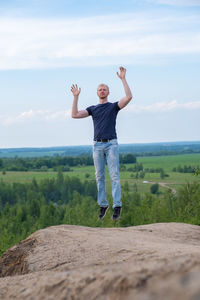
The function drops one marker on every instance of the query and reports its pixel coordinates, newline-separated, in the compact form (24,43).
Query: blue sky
(46,45)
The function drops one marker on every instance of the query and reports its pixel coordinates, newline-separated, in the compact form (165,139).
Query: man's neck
(103,101)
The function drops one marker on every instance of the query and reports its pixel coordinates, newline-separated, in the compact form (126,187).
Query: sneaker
(117,212)
(103,211)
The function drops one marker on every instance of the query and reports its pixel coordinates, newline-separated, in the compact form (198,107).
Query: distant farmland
(143,149)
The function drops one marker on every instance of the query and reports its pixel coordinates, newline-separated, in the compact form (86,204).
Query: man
(105,147)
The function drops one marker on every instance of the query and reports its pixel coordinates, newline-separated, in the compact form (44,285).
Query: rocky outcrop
(156,261)
(14,262)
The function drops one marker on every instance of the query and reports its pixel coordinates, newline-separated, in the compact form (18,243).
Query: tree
(34,208)
(122,168)
(60,178)
(1,163)
(135,188)
(141,174)
(154,188)
(128,158)
(162,174)
(126,186)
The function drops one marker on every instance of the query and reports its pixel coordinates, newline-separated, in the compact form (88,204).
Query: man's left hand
(122,73)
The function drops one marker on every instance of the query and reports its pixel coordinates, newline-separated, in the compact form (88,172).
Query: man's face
(102,91)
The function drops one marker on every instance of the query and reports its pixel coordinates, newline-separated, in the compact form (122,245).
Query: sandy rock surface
(149,262)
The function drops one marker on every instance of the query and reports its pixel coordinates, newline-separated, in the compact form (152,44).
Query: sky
(47,45)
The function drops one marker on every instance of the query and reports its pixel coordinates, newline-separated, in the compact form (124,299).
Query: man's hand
(75,90)
(122,73)
(125,100)
(77,114)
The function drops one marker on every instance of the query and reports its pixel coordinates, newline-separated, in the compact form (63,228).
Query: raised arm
(77,114)
(125,100)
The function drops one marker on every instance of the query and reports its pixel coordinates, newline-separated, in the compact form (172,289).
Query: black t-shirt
(104,119)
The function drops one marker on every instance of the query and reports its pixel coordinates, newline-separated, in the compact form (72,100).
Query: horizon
(85,145)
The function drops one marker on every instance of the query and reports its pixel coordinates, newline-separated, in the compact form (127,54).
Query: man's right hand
(77,114)
(75,90)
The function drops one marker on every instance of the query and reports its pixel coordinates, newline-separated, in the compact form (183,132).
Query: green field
(168,162)
(175,179)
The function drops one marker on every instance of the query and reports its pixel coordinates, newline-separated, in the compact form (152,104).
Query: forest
(55,163)
(29,206)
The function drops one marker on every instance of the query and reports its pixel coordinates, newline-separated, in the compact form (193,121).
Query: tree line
(140,171)
(55,162)
(185,169)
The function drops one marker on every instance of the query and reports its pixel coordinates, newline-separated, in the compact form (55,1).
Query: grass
(174,180)
(23,177)
(168,162)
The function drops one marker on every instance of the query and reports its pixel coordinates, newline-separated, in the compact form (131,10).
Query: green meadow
(174,179)
(168,162)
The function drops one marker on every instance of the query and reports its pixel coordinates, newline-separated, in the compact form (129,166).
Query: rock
(149,262)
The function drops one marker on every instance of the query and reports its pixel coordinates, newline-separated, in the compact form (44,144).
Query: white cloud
(62,115)
(58,115)
(38,43)
(164,107)
(35,115)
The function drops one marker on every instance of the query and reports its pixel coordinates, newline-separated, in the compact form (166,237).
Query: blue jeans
(109,152)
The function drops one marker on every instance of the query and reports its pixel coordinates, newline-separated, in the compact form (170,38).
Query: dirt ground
(149,262)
